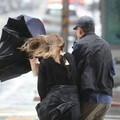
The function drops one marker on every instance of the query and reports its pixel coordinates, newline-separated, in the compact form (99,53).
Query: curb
(115,104)
(36,98)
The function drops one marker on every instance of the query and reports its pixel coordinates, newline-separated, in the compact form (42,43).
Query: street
(17,98)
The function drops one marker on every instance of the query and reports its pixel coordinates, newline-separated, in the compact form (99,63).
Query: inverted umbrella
(13,62)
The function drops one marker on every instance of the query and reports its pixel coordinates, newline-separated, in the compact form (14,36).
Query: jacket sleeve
(41,86)
(80,54)
(113,67)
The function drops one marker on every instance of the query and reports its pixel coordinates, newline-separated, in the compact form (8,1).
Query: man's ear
(81,31)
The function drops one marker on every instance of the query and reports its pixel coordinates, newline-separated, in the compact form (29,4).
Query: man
(95,70)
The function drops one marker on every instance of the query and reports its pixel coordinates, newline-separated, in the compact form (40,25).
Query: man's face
(79,32)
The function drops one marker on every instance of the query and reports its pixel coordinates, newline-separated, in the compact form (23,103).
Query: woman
(57,78)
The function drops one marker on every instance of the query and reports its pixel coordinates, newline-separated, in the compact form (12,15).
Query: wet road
(17,98)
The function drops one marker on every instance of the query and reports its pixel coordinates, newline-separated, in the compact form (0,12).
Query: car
(52,19)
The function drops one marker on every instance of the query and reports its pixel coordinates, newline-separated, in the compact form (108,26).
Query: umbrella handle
(34,66)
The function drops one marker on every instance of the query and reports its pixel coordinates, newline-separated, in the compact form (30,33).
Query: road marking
(21,113)
(19,118)
(112,117)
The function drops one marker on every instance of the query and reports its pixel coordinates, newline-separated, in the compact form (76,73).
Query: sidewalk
(17,98)
(116,90)
(116,99)
(7,114)
(115,52)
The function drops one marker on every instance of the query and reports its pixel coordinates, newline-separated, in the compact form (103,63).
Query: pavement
(8,114)
(116,90)
(17,98)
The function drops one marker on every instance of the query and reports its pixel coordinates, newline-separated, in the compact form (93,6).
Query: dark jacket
(57,87)
(61,103)
(94,63)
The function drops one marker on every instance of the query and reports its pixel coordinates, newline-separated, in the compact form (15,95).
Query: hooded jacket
(94,63)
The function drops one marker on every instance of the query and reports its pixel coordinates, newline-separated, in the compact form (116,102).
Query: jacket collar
(90,33)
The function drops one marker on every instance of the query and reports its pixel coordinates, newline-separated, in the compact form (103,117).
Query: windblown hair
(44,46)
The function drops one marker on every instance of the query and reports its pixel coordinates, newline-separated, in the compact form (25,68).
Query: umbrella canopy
(13,62)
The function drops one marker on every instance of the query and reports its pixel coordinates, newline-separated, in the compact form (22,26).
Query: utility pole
(65,21)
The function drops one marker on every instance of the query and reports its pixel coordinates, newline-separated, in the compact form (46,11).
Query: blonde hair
(44,46)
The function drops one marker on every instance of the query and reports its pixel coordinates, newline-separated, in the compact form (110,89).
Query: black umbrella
(13,62)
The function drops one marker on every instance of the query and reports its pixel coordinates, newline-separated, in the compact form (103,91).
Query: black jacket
(61,103)
(57,87)
(52,73)
(94,63)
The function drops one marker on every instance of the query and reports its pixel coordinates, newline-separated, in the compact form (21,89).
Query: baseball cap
(86,21)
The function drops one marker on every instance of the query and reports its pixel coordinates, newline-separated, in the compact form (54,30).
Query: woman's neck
(62,53)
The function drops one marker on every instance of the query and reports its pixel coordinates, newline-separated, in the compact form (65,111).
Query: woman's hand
(34,66)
